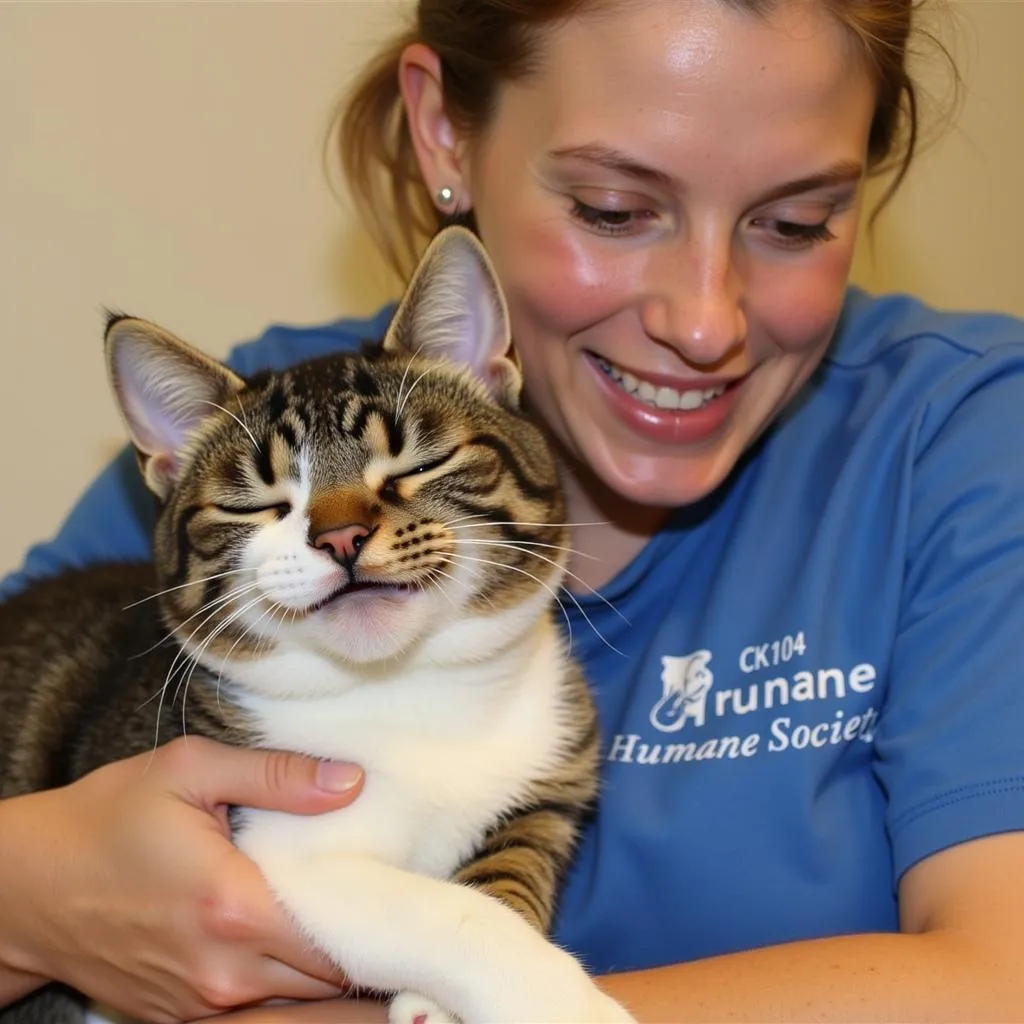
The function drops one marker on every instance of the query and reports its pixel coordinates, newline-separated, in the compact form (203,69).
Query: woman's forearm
(16,827)
(936,976)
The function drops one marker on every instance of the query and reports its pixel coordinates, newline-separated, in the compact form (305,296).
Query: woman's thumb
(214,774)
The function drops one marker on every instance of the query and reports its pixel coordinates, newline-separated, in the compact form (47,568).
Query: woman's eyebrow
(615,160)
(842,172)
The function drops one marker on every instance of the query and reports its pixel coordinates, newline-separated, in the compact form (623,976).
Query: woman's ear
(438,149)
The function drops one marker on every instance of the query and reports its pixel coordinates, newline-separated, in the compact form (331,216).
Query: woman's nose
(692,303)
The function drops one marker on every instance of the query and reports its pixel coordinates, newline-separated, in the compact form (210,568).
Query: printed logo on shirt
(685,684)
(689,703)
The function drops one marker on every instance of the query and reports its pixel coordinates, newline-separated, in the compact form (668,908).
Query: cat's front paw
(412,1008)
(571,998)
(607,1011)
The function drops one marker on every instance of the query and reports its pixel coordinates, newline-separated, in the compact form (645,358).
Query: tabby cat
(356,559)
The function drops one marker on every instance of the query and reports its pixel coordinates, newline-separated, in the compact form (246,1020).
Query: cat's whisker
(476,573)
(231,650)
(213,607)
(408,394)
(505,565)
(245,422)
(436,585)
(568,622)
(182,652)
(280,622)
(182,658)
(182,586)
(197,655)
(204,401)
(401,383)
(519,522)
(536,554)
(570,594)
(213,603)
(461,519)
(527,543)
(192,661)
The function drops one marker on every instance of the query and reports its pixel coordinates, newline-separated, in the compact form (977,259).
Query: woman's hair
(483,44)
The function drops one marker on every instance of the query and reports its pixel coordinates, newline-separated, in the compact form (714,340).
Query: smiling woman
(754,452)
(734,269)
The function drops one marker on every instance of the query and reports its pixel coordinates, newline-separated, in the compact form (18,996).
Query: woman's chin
(655,481)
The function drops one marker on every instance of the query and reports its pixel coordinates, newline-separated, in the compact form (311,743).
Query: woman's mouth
(661,412)
(659,396)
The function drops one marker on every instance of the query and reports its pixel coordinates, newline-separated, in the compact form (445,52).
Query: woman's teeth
(659,397)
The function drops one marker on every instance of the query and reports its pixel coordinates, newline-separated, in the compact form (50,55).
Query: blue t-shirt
(810,680)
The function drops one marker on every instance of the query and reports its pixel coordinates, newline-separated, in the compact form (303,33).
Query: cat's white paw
(570,998)
(412,1008)
(607,1011)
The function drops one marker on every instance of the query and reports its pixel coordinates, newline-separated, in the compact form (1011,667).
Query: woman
(814,788)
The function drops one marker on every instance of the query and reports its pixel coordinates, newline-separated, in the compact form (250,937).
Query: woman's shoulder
(875,328)
(284,345)
(898,359)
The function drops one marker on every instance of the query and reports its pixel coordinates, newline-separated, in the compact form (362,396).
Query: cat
(358,559)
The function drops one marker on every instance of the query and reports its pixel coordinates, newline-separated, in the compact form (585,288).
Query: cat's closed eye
(426,467)
(280,509)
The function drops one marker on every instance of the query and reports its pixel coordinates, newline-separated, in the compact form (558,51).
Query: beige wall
(165,159)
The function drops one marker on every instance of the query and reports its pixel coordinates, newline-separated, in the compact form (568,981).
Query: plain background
(166,159)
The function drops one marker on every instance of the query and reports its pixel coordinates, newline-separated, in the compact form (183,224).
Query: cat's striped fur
(356,558)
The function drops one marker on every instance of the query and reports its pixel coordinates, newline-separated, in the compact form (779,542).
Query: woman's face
(671,204)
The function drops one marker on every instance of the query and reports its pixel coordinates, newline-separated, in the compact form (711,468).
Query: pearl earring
(445,196)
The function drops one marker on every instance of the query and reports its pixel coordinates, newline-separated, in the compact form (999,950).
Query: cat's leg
(395,931)
(521,863)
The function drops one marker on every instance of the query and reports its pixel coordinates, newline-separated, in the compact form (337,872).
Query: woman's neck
(611,530)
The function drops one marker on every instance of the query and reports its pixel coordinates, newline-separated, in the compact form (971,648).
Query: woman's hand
(125,884)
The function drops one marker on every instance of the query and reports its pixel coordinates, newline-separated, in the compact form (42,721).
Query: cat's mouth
(361,587)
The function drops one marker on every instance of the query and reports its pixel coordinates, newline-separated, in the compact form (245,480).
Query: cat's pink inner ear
(454,309)
(503,380)
(165,389)
(160,472)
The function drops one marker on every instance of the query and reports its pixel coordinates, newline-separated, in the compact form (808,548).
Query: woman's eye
(795,235)
(280,509)
(608,222)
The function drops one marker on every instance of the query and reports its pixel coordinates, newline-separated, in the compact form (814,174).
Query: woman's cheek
(558,283)
(798,307)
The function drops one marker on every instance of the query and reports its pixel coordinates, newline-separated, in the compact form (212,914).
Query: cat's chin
(371,623)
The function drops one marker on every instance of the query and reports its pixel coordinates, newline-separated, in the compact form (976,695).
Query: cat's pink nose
(343,544)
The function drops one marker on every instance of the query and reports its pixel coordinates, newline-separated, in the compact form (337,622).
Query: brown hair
(485,43)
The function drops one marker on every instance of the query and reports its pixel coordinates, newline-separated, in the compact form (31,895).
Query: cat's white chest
(444,754)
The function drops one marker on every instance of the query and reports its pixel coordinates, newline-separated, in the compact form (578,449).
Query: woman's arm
(957,958)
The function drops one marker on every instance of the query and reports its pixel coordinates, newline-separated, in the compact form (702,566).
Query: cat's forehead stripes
(274,455)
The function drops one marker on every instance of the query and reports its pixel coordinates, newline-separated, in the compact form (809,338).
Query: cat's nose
(344,543)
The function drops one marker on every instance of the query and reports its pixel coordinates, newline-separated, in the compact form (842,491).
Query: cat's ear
(454,308)
(165,389)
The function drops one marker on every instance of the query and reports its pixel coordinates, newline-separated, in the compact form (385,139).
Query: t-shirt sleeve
(114,518)
(950,743)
